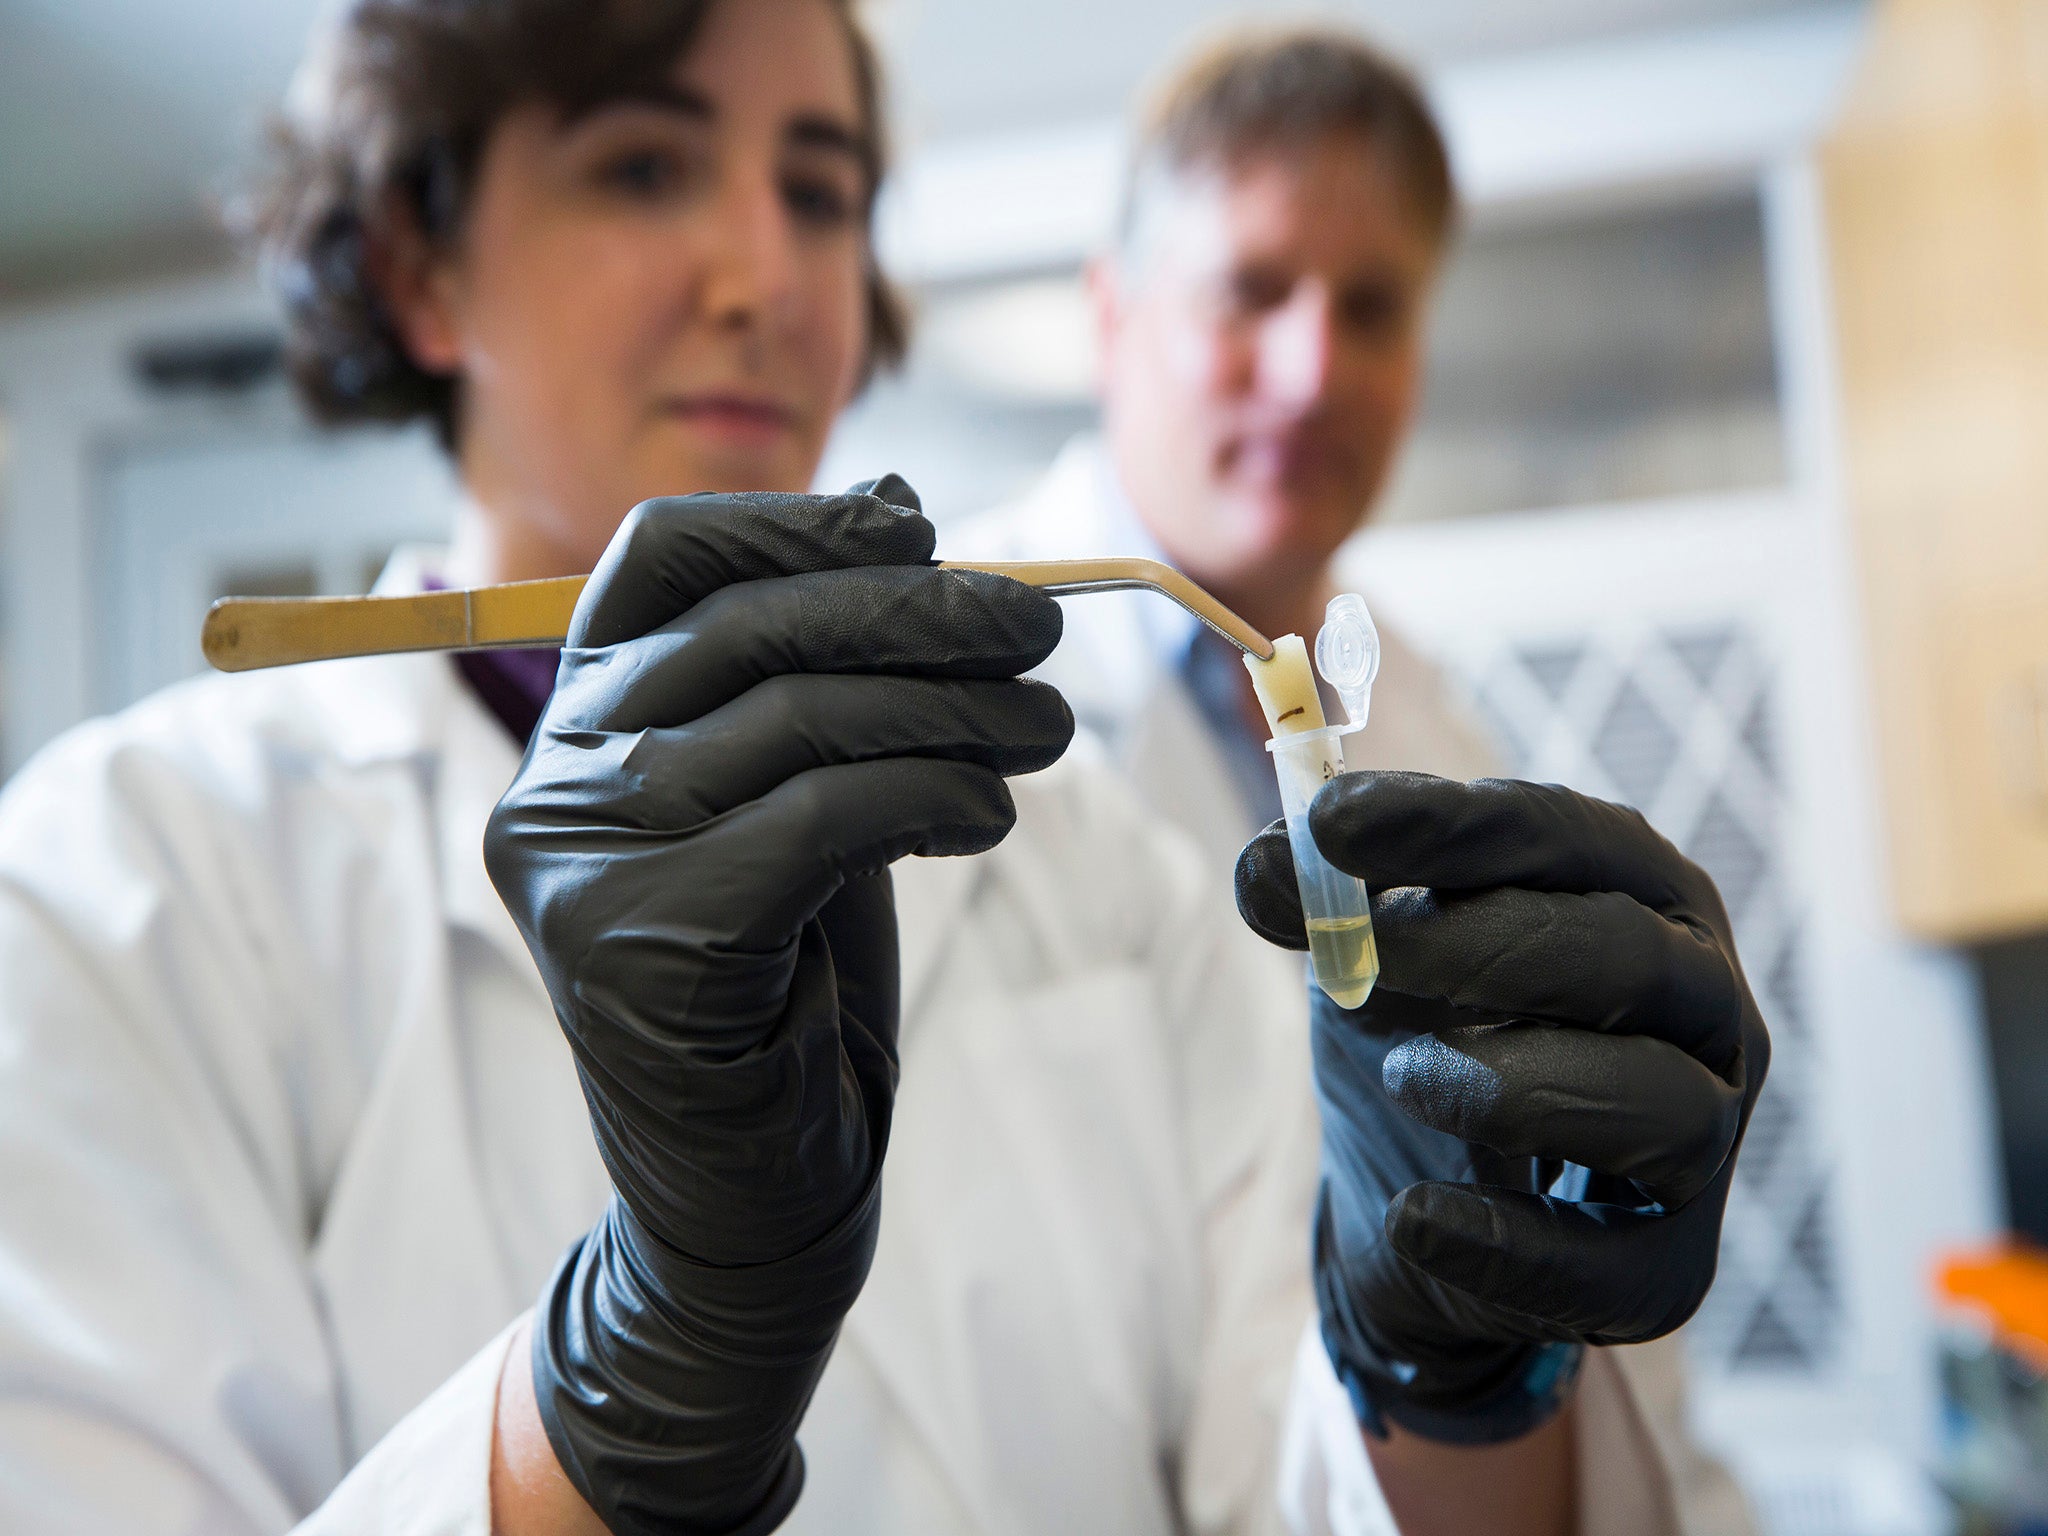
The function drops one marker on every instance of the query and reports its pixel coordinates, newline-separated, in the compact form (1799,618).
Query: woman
(291,1129)
(302,1135)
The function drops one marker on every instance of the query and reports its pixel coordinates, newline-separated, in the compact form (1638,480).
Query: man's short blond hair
(1253,91)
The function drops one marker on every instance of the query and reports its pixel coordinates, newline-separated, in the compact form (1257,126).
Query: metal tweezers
(245,633)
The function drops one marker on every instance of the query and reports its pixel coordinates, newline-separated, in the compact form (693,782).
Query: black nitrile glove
(1530,1127)
(764,701)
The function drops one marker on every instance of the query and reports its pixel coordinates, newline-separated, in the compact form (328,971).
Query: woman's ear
(417,283)
(1103,278)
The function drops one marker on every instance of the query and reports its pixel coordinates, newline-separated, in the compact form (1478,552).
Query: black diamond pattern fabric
(1702,652)
(1554,667)
(1634,745)
(1680,725)
(1725,846)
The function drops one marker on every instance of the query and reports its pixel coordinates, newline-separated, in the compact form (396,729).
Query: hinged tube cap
(1348,654)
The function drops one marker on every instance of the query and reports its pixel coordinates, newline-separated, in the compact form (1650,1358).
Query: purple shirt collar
(513,685)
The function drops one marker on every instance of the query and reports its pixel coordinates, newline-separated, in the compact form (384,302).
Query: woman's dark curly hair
(396,103)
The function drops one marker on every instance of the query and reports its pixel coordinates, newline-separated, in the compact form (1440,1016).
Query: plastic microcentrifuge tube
(1307,753)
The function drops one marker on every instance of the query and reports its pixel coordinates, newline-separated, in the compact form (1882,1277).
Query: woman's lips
(737,418)
(1284,458)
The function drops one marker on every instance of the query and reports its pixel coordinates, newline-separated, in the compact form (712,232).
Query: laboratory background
(1727,501)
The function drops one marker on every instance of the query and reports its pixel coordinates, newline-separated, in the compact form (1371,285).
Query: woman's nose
(753,268)
(1295,346)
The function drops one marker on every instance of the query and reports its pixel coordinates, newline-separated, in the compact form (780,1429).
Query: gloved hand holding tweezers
(764,701)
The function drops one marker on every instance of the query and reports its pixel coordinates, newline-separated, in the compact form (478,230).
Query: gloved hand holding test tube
(1308,752)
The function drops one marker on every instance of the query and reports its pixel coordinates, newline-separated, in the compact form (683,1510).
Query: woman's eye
(819,202)
(1253,292)
(646,173)
(1376,311)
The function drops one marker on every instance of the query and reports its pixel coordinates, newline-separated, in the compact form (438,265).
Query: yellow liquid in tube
(1306,755)
(1346,958)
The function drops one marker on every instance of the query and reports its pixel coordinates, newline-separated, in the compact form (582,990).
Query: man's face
(1262,347)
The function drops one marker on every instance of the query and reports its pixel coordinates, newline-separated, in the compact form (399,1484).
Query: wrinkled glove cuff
(671,1390)
(1522,1398)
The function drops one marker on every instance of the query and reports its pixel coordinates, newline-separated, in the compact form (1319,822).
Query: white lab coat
(288,1134)
(1111,665)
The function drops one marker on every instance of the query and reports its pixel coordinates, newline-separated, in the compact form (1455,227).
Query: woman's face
(665,295)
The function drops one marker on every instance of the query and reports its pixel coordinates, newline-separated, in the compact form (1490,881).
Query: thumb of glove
(891,488)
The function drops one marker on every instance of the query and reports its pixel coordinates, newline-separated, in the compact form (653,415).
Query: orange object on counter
(2008,1286)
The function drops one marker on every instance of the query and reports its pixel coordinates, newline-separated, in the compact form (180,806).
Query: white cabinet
(181,520)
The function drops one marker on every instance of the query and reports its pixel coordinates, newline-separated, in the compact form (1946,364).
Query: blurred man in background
(1289,206)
